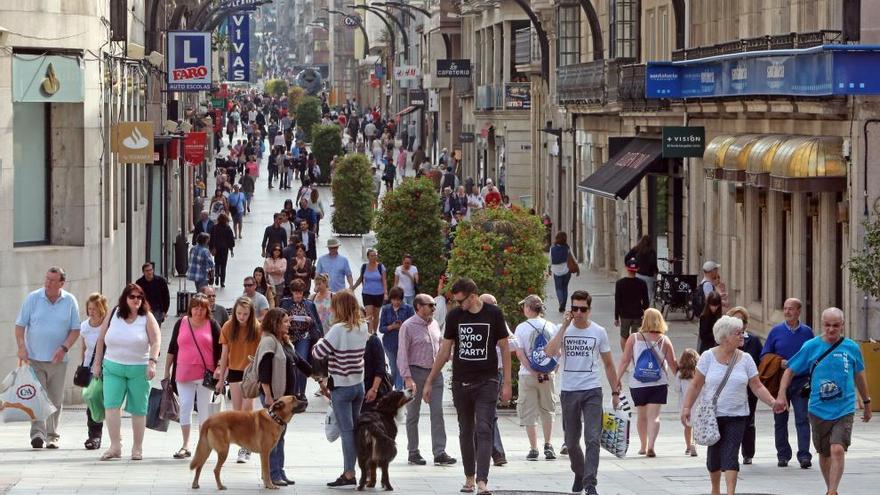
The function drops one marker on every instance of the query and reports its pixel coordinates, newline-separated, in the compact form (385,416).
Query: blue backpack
(538,359)
(647,368)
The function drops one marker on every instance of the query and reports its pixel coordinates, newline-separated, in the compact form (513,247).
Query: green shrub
(308,113)
(276,87)
(326,143)
(409,222)
(501,250)
(294,97)
(352,187)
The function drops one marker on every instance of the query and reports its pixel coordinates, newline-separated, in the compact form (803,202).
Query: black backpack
(699,299)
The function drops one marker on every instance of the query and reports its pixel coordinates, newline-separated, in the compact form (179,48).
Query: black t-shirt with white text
(474,337)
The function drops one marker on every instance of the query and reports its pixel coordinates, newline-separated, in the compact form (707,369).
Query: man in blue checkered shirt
(200,262)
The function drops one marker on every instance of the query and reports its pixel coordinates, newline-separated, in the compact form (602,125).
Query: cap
(533,302)
(632,264)
(332,242)
(710,265)
(236,186)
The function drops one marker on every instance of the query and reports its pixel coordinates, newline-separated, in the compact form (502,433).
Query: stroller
(674,292)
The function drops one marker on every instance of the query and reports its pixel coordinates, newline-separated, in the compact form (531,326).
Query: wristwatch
(153,360)
(866,401)
(66,349)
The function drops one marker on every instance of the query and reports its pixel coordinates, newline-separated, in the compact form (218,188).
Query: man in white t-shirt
(406,276)
(583,343)
(537,388)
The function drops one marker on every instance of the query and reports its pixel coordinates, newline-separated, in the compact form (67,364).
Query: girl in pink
(193,350)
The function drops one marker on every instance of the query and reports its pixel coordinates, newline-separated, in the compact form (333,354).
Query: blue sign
(819,71)
(239,4)
(239,61)
(189,61)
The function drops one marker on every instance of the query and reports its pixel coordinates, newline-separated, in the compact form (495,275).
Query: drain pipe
(865,212)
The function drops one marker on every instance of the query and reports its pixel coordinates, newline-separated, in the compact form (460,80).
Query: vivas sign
(189,61)
(239,60)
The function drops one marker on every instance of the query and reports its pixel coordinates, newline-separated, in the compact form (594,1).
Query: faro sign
(239,61)
(189,61)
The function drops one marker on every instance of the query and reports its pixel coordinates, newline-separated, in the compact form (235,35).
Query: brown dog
(257,431)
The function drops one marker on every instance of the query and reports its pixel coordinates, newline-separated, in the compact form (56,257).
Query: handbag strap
(823,356)
(192,333)
(730,366)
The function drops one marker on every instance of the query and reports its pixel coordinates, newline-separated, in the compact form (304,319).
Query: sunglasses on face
(582,309)
(249,285)
(135,297)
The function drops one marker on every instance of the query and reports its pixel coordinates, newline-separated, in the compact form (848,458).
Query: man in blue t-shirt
(785,340)
(834,373)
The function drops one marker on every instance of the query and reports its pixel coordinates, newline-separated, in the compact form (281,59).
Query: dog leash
(275,417)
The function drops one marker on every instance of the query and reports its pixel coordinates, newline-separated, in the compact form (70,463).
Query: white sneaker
(247,455)
(243,456)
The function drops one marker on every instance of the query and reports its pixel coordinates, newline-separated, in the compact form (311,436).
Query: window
(624,28)
(651,34)
(32,171)
(664,32)
(569,29)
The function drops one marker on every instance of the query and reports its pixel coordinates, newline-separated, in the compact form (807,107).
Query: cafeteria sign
(453,68)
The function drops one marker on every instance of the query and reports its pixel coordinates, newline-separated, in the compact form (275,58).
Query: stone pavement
(312,461)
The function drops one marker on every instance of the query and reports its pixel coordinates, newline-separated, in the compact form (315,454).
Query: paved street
(312,461)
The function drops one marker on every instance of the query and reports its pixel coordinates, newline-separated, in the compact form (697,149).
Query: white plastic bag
(331,427)
(615,428)
(23,398)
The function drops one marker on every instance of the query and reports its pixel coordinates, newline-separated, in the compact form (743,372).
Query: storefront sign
(379,70)
(407,73)
(239,4)
(433,101)
(351,21)
(681,142)
(189,61)
(517,96)
(239,60)
(194,147)
(417,97)
(49,78)
(134,142)
(819,71)
(466,137)
(453,68)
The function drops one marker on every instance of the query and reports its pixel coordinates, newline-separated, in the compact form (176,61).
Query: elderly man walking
(418,344)
(336,266)
(46,328)
(835,368)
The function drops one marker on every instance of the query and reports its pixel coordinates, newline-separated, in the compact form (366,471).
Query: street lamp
(378,13)
(358,23)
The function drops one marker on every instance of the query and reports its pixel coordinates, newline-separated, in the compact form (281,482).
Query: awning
(713,157)
(760,159)
(617,178)
(406,111)
(809,164)
(736,157)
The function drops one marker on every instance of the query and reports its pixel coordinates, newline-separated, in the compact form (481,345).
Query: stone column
(825,269)
(774,281)
(752,271)
(796,246)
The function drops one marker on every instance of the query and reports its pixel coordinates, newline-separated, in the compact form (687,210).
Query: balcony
(527,50)
(490,97)
(774,42)
(631,86)
(589,83)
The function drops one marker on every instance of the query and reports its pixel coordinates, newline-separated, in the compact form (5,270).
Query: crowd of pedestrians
(298,317)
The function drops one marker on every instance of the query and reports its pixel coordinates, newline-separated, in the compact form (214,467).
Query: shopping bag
(169,408)
(331,427)
(93,396)
(23,398)
(154,407)
(615,428)
(216,404)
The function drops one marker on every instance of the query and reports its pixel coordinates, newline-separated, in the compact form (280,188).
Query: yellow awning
(717,148)
(809,157)
(760,156)
(737,154)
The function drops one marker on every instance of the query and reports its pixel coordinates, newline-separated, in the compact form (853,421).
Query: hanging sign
(189,61)
(134,142)
(453,68)
(406,73)
(194,147)
(239,60)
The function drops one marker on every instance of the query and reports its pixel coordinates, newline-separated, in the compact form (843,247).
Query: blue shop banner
(239,60)
(820,71)
(189,61)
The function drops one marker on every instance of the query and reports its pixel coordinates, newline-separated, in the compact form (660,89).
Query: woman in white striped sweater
(343,346)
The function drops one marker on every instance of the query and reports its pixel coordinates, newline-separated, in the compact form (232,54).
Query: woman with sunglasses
(275,266)
(125,356)
(194,350)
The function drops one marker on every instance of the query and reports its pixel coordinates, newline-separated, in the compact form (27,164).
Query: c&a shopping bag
(22,398)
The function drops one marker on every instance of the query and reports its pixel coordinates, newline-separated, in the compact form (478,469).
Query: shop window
(568,20)
(624,28)
(32,171)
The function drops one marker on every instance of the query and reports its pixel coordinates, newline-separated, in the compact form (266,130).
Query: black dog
(375,435)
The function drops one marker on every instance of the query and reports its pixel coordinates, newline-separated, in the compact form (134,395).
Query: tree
(501,250)
(294,96)
(326,143)
(276,87)
(409,222)
(352,186)
(308,113)
(863,267)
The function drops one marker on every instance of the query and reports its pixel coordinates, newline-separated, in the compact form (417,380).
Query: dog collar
(275,417)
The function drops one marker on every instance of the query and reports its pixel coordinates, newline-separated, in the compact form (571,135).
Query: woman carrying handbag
(90,330)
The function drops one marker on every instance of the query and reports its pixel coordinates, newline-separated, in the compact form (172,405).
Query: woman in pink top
(275,266)
(253,169)
(193,350)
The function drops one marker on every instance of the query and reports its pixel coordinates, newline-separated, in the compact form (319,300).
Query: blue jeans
(801,423)
(409,299)
(475,404)
(561,284)
(396,379)
(346,403)
(276,456)
(303,349)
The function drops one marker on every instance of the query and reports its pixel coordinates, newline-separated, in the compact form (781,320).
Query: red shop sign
(194,147)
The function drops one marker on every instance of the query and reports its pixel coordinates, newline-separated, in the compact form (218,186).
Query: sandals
(182,454)
(93,444)
(467,489)
(137,455)
(111,454)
